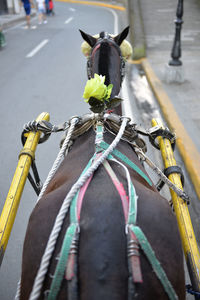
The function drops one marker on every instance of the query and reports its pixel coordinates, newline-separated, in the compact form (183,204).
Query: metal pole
(176,49)
(189,243)
(14,195)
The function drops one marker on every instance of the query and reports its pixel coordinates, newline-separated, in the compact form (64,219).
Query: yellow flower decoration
(96,88)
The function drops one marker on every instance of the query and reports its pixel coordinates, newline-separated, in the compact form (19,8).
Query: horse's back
(102,252)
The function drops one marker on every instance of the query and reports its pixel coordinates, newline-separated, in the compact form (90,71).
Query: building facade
(9,6)
(3,7)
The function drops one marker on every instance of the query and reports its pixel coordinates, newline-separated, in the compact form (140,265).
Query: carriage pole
(189,243)
(13,198)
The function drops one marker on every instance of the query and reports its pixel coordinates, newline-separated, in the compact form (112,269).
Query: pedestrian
(41,11)
(51,8)
(47,7)
(27,8)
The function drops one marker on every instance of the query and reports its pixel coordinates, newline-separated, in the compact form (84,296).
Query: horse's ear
(121,36)
(88,38)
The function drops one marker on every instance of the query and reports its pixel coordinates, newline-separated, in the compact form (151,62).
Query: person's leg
(28,20)
(44,17)
(27,9)
(40,18)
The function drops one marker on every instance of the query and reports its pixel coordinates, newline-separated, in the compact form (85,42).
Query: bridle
(105,37)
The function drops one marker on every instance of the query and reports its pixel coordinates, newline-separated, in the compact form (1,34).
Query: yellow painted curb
(187,149)
(94,3)
(136,61)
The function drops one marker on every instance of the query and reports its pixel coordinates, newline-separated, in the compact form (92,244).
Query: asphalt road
(50,79)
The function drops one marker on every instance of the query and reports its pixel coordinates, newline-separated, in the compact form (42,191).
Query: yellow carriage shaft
(189,243)
(13,198)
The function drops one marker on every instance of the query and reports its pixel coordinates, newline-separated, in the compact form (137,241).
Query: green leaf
(93,101)
(114,102)
(109,91)
(97,108)
(96,105)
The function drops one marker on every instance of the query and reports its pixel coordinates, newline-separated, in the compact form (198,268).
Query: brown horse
(103,268)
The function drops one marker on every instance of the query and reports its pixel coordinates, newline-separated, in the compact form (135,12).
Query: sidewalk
(180,103)
(9,20)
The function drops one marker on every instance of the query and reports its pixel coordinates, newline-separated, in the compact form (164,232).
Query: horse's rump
(102,251)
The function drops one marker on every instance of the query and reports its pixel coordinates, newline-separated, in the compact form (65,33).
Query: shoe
(45,22)
(33,27)
(26,27)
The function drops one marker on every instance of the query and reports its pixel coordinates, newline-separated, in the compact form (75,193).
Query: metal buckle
(124,117)
(76,118)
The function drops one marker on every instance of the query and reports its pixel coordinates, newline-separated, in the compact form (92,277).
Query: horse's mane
(104,60)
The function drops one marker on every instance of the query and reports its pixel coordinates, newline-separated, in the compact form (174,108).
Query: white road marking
(72,9)
(36,49)
(68,20)
(116,26)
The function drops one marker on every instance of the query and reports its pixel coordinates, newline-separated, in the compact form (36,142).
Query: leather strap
(146,247)
(167,172)
(125,159)
(132,243)
(174,169)
(70,236)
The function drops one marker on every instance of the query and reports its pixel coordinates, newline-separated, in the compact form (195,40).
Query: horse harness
(105,37)
(66,264)
(135,237)
(112,124)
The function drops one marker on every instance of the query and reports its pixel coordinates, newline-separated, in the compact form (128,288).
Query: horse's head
(106,56)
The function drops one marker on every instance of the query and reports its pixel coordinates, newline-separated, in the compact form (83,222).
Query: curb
(95,3)
(186,147)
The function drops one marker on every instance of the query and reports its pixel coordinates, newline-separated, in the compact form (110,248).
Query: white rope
(17,296)
(129,185)
(55,166)
(59,157)
(36,291)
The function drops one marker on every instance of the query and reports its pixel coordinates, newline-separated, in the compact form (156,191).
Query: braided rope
(62,213)
(54,168)
(59,157)
(17,295)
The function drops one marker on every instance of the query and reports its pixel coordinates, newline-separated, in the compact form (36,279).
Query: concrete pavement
(9,20)
(179,102)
